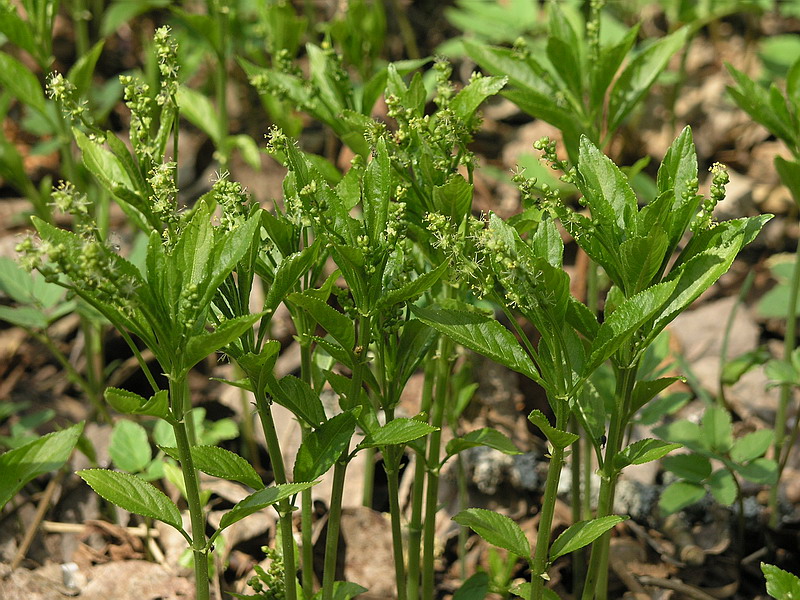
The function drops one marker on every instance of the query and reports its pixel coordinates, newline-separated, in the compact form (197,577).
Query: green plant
(780,584)
(779,112)
(713,439)
(634,246)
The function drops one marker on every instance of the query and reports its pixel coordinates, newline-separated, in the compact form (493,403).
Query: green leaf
(643,451)
(606,190)
(296,395)
(581,534)
(415,341)
(343,590)
(722,486)
(718,429)
(288,275)
(761,470)
(129,447)
(453,199)
(662,406)
(486,436)
(200,346)
(396,432)
(640,74)
(130,403)
(80,74)
(23,464)
(496,529)
(260,500)
(481,334)
(467,101)
(691,467)
(683,432)
(781,584)
(338,325)
(21,83)
(626,320)
(322,447)
(679,495)
(413,289)
(645,391)
(523,590)
(133,494)
(224,464)
(474,588)
(751,446)
(559,439)
(789,172)
(199,111)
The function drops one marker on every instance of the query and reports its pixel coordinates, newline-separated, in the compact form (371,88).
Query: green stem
(306,500)
(222,84)
(541,553)
(597,576)
(432,466)
(789,341)
(418,493)
(80,18)
(340,469)
(579,556)
(463,501)
(391,464)
(178,393)
(334,522)
(284,507)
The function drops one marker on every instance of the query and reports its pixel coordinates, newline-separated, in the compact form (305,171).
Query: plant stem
(463,501)
(789,342)
(306,500)
(597,576)
(432,465)
(221,15)
(178,393)
(542,550)
(579,556)
(284,507)
(418,494)
(391,462)
(340,468)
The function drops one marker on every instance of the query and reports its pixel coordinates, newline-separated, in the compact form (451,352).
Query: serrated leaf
(129,447)
(413,289)
(343,590)
(467,101)
(260,500)
(296,395)
(225,464)
(288,275)
(496,529)
(753,445)
(643,451)
(481,334)
(80,74)
(781,585)
(559,439)
(723,487)
(691,467)
(23,464)
(491,438)
(128,402)
(322,447)
(679,495)
(640,74)
(581,534)
(338,325)
(396,432)
(200,346)
(626,320)
(133,494)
